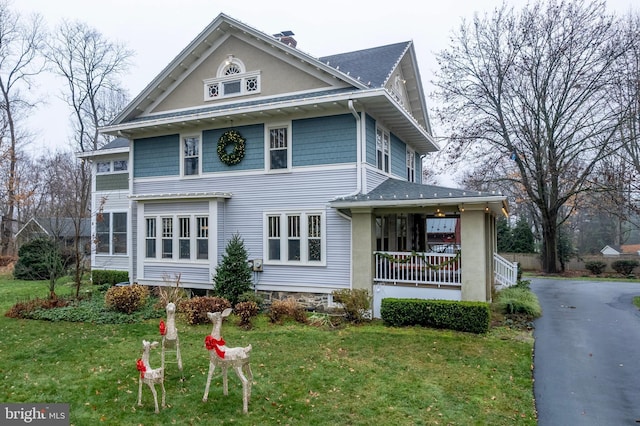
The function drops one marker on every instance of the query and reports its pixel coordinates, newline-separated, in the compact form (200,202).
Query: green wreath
(231,137)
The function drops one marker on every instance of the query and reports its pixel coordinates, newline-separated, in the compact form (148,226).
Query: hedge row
(472,317)
(101,277)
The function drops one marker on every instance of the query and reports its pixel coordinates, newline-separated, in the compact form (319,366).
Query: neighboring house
(609,251)
(630,249)
(315,162)
(62,230)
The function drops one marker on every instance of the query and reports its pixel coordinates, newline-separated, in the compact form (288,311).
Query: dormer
(232,79)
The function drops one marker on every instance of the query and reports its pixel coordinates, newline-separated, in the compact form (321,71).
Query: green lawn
(303,375)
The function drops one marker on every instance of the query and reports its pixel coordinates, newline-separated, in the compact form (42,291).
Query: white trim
(241,78)
(267,147)
(183,137)
(304,238)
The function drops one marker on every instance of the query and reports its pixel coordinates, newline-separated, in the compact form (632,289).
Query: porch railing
(440,269)
(505,272)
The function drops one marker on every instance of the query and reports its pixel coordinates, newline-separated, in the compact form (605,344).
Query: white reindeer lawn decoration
(150,376)
(225,357)
(169,334)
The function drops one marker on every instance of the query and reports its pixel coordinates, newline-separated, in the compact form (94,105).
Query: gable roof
(344,87)
(399,193)
(372,66)
(63,227)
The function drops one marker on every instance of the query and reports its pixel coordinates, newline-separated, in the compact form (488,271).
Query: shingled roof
(372,66)
(395,192)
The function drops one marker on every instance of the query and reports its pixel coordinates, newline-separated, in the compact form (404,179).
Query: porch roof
(399,193)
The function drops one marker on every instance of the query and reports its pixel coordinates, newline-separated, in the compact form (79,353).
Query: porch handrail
(418,268)
(505,272)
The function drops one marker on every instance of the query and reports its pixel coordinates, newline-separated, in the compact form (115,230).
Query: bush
(624,267)
(288,308)
(23,310)
(355,303)
(126,299)
(195,309)
(246,311)
(110,277)
(37,259)
(251,296)
(472,317)
(596,267)
(518,300)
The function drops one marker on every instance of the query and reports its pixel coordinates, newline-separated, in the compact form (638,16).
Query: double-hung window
(181,238)
(111,233)
(411,165)
(191,155)
(383,149)
(295,238)
(278,147)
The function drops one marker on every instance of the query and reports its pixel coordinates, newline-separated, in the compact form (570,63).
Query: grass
(303,375)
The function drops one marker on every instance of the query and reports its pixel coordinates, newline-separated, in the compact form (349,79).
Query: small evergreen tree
(233,274)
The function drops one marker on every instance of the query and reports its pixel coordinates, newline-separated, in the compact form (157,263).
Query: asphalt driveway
(587,353)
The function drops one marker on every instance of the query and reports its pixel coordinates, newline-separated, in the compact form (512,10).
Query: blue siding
(370,157)
(398,157)
(254,149)
(158,156)
(324,140)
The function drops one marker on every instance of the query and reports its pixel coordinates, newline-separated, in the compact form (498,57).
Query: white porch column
(475,255)
(363,234)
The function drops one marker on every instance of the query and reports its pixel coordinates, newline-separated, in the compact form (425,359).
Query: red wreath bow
(163,328)
(211,343)
(141,368)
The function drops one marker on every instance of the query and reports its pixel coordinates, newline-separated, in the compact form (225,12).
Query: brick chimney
(286,37)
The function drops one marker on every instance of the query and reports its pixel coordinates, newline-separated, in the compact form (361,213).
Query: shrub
(233,274)
(110,277)
(518,300)
(251,296)
(195,309)
(355,303)
(624,267)
(126,299)
(472,317)
(596,267)
(288,308)
(246,311)
(37,259)
(25,309)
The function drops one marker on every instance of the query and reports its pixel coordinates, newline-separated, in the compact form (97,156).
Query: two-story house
(315,162)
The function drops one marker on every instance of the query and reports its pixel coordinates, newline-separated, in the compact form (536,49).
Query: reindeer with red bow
(150,376)
(224,357)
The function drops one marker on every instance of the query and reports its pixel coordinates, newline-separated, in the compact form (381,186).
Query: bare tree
(528,90)
(20,47)
(65,183)
(91,66)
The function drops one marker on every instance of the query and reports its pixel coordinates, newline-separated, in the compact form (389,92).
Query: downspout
(358,148)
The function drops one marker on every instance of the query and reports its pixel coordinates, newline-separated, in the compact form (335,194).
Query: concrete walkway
(587,353)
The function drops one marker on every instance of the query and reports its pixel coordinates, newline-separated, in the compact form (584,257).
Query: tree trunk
(549,246)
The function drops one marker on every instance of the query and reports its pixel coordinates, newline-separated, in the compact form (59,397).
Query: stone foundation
(316,302)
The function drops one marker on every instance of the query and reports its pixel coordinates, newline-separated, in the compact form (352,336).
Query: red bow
(211,343)
(141,368)
(163,328)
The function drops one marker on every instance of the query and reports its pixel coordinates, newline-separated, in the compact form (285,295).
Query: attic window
(398,89)
(231,80)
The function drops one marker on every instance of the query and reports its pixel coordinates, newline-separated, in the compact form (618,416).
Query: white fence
(440,269)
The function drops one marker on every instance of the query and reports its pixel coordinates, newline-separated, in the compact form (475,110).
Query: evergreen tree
(504,236)
(523,239)
(233,274)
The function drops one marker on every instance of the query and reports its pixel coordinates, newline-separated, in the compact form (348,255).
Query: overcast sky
(158,30)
